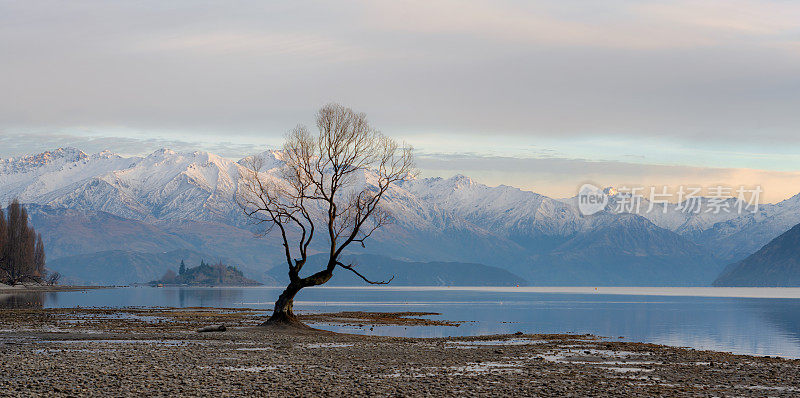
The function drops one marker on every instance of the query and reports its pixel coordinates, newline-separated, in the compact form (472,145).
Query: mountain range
(775,264)
(167,201)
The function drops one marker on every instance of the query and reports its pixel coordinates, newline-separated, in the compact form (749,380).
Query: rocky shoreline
(157,351)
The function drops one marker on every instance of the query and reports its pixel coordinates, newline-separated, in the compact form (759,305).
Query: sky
(542,95)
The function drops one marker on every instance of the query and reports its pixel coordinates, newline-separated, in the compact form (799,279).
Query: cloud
(297,46)
(14,145)
(681,69)
(561,177)
(647,79)
(765,19)
(542,23)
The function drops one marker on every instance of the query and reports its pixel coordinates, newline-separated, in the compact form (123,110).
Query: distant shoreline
(671,291)
(47,288)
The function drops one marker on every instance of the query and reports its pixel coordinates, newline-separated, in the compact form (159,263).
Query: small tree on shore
(53,278)
(332,185)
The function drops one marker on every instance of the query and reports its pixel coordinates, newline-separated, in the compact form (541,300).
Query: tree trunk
(283,314)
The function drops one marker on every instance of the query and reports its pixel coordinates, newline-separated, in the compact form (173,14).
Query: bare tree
(332,184)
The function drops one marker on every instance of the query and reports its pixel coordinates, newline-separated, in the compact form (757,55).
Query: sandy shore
(112,352)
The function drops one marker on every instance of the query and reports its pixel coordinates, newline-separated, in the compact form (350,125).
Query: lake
(755,321)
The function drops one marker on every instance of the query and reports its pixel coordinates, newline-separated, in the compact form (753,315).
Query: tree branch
(350,268)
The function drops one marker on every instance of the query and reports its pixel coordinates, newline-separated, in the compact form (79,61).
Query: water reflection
(150,297)
(26,300)
(783,313)
(761,326)
(200,297)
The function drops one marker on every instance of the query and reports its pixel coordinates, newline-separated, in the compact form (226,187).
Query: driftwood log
(212,328)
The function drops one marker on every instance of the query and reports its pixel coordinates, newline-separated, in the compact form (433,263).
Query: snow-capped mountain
(437,219)
(163,186)
(738,237)
(733,232)
(25,164)
(501,208)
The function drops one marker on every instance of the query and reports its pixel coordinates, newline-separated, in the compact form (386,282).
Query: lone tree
(332,184)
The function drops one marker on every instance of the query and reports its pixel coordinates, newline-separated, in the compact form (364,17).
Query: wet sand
(157,351)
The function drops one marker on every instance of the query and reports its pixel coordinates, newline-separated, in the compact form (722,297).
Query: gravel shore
(157,352)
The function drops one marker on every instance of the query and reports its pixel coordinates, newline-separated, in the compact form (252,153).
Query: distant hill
(776,264)
(405,273)
(120,267)
(206,275)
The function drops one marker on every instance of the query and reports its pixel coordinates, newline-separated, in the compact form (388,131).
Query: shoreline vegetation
(22,254)
(103,351)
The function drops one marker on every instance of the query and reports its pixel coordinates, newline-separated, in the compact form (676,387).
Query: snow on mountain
(268,160)
(734,231)
(165,185)
(168,185)
(685,217)
(730,234)
(503,209)
(31,178)
(738,237)
(27,163)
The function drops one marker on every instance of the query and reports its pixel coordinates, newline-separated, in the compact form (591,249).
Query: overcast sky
(543,95)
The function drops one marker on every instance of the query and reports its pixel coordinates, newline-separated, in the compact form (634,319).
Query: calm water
(747,321)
